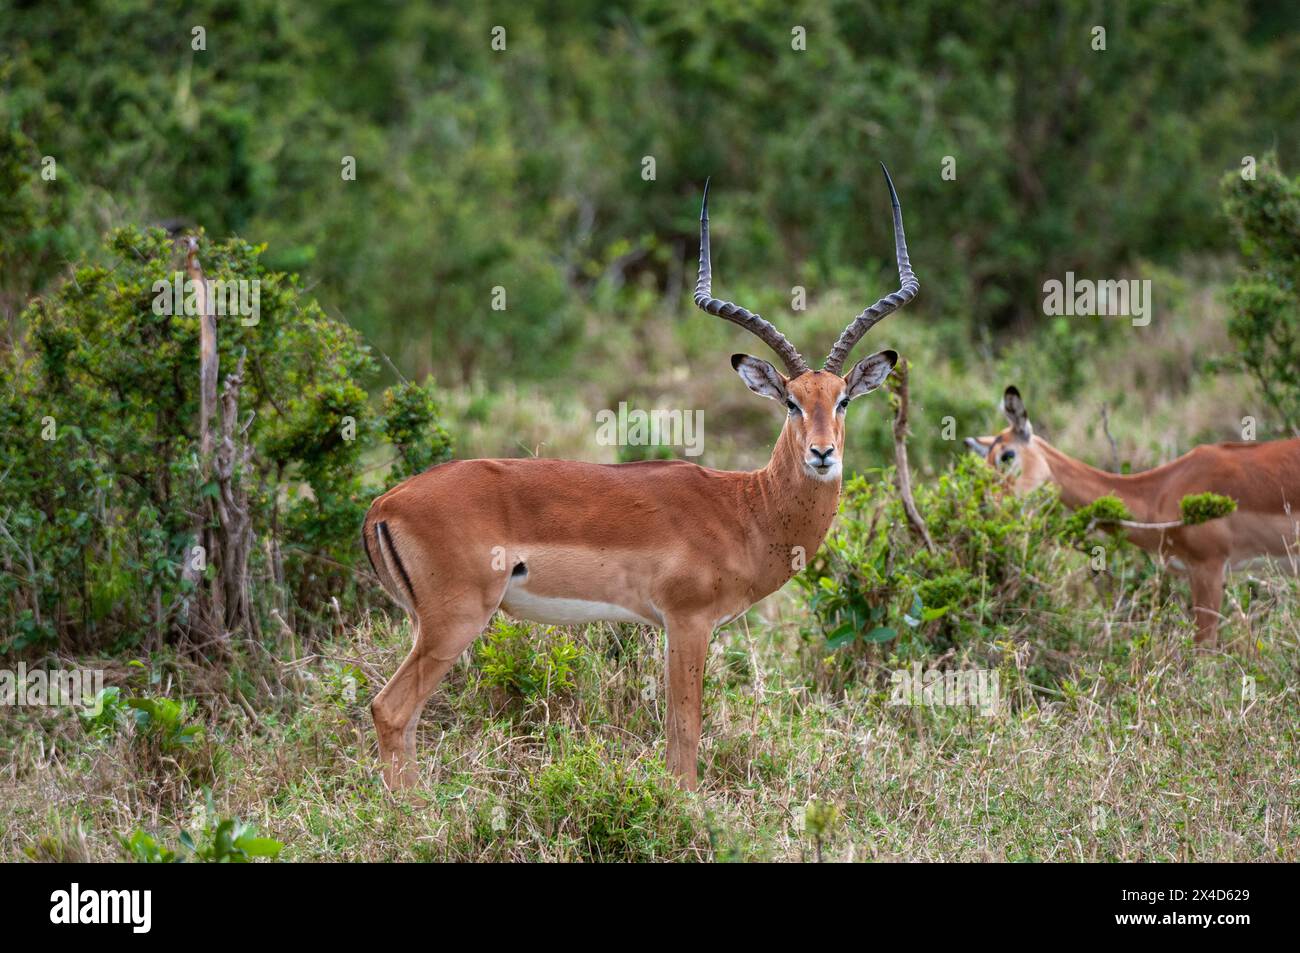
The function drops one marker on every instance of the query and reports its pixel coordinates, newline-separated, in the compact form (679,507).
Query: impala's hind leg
(440,637)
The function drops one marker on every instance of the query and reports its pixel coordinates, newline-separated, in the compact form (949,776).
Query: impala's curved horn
(908,287)
(734,313)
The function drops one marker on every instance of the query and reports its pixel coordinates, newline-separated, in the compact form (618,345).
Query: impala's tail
(385,561)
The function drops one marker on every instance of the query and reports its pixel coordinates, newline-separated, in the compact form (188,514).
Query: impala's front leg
(688,645)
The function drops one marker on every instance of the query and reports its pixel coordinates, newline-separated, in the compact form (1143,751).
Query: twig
(1114,450)
(902,471)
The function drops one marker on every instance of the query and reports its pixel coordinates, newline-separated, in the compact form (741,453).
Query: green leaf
(842,635)
(881,634)
(259,846)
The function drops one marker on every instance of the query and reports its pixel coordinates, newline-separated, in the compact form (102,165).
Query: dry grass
(1144,751)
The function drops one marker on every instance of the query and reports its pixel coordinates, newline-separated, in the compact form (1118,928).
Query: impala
(663,543)
(1263,478)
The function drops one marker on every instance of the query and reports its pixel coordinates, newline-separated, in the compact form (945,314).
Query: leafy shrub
(874,583)
(1265,321)
(526,663)
(230,841)
(166,745)
(411,423)
(144,848)
(98,409)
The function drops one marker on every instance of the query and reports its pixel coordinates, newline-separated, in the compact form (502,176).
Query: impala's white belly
(522,604)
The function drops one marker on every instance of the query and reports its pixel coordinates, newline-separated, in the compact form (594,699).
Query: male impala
(1264,479)
(665,543)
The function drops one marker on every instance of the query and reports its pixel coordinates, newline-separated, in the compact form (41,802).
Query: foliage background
(522,169)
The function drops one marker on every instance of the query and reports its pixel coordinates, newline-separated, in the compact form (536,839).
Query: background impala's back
(466,232)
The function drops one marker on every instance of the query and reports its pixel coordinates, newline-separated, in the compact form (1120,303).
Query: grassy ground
(1145,752)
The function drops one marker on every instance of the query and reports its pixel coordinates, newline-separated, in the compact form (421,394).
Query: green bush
(163,722)
(874,583)
(1265,300)
(107,714)
(526,662)
(411,424)
(98,434)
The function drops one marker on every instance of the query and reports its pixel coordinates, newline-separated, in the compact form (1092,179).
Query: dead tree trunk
(203,616)
(220,602)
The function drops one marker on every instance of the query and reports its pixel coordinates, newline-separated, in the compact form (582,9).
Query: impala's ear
(869,373)
(759,376)
(979,445)
(1014,408)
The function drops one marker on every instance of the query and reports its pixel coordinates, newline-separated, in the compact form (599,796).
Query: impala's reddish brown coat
(670,544)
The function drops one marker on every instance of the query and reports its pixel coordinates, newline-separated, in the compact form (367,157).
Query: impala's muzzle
(822,460)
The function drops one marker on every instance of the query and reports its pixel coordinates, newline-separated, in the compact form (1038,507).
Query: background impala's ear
(869,373)
(759,376)
(1014,408)
(979,445)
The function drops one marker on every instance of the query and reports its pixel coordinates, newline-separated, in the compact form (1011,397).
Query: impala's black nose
(822,455)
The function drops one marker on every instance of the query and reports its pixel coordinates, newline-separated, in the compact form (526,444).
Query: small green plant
(220,840)
(527,663)
(821,818)
(230,841)
(344,683)
(163,721)
(171,747)
(1105,512)
(108,712)
(1203,507)
(143,848)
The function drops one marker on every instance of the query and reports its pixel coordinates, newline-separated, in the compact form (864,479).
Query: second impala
(1262,478)
(665,543)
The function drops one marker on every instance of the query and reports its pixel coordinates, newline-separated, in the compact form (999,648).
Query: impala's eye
(1007,456)
(844,405)
(793,408)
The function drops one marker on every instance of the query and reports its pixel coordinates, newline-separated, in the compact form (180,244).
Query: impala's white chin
(826,472)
